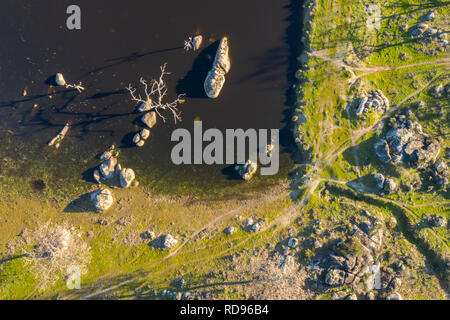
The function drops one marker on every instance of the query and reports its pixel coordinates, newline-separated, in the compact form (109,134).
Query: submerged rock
(102,199)
(145,133)
(149,119)
(215,79)
(126,177)
(59,80)
(197,42)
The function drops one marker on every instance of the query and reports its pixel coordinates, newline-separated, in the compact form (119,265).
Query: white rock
(145,133)
(136,138)
(168,241)
(126,177)
(197,42)
(292,242)
(59,79)
(149,119)
(107,168)
(140,144)
(102,199)
(215,79)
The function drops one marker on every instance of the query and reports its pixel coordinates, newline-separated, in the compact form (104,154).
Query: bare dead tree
(193,43)
(154,95)
(59,79)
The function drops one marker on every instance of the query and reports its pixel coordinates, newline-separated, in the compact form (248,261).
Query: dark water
(121,41)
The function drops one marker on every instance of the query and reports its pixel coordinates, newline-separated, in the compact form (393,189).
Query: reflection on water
(117,45)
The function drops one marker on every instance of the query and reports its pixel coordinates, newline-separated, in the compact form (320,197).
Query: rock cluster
(140,137)
(434,221)
(441,90)
(215,79)
(406,141)
(110,169)
(440,173)
(387,184)
(247,170)
(426,34)
(375,101)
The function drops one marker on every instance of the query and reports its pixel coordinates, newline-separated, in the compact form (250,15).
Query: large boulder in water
(215,79)
(149,119)
(102,199)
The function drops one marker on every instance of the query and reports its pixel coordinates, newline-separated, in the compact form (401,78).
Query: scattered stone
(136,138)
(437,90)
(230,230)
(430,16)
(59,80)
(248,222)
(148,235)
(256,226)
(390,185)
(102,199)
(335,277)
(394,296)
(247,170)
(126,177)
(215,79)
(145,133)
(366,227)
(292,242)
(105,156)
(97,176)
(395,284)
(370,296)
(168,241)
(379,178)
(351,297)
(149,119)
(56,141)
(197,42)
(420,104)
(440,173)
(404,56)
(434,221)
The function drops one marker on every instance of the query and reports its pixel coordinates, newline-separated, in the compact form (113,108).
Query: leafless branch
(155,93)
(78,87)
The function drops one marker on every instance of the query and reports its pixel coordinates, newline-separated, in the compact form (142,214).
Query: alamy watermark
(73,22)
(236,146)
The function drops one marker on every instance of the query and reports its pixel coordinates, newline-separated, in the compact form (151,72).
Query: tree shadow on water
(192,83)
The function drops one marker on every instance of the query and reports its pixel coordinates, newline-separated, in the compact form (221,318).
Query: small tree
(154,95)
